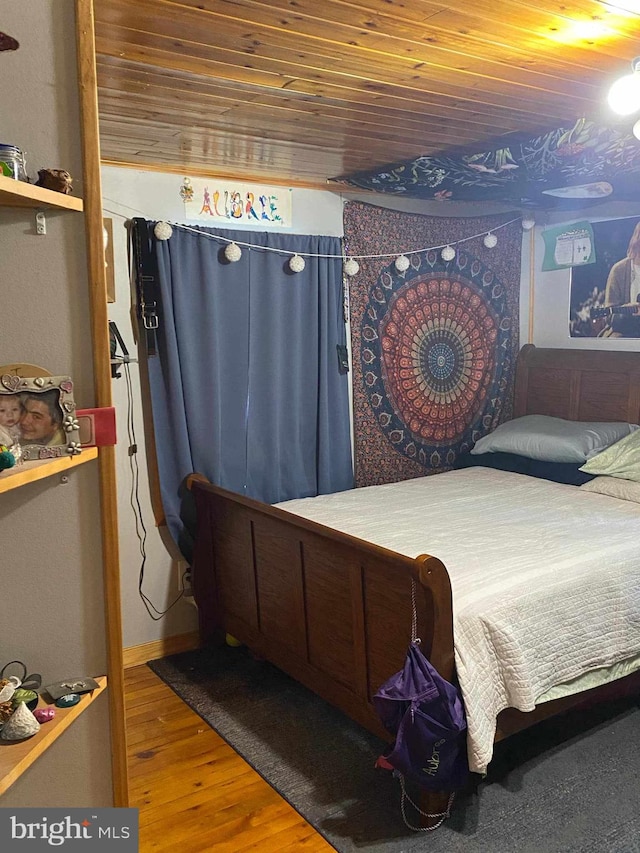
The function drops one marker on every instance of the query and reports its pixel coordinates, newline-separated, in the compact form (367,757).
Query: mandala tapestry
(434,347)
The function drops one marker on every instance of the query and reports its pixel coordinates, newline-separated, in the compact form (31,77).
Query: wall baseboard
(135,655)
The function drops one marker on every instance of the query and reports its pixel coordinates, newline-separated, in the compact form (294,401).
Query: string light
(233,252)
(351,267)
(162,231)
(297,263)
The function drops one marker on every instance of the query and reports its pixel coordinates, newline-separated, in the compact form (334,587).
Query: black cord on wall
(134,500)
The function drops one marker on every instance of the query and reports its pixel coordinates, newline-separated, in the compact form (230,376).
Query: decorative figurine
(7,689)
(20,725)
(44,715)
(29,697)
(58,180)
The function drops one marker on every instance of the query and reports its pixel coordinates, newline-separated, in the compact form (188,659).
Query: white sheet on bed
(545,577)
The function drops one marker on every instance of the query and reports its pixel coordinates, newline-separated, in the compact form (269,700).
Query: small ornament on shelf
(7,689)
(68,701)
(7,459)
(58,180)
(44,715)
(82,684)
(20,725)
(29,697)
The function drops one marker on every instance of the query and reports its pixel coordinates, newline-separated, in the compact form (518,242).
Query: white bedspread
(545,577)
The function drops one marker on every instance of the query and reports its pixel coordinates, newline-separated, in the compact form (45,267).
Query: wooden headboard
(579,385)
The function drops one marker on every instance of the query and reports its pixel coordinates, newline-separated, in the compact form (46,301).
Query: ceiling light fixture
(624,95)
(632,6)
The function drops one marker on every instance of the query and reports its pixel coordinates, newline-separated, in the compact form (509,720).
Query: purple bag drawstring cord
(414,614)
(440,816)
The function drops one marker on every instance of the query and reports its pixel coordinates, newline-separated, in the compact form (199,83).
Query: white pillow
(552,439)
(622,459)
(626,490)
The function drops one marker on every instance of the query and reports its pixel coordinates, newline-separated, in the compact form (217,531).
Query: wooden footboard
(331,610)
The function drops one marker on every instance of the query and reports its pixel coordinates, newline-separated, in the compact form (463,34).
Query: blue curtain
(246,388)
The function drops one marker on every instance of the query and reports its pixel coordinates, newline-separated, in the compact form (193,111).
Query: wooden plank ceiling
(302,91)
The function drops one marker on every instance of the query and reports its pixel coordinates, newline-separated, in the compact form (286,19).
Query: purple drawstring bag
(426,714)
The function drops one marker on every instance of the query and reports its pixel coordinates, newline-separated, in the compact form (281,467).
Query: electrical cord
(134,500)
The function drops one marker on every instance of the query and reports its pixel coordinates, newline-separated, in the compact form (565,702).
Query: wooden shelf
(18,756)
(29,472)
(20,194)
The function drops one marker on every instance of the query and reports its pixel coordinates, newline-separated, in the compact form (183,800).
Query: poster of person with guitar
(605,296)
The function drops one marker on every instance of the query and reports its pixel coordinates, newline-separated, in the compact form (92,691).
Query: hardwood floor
(192,788)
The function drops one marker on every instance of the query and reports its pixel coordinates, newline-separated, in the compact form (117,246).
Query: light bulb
(528,222)
(351,266)
(233,252)
(162,230)
(448,253)
(402,263)
(636,129)
(490,240)
(624,94)
(632,6)
(297,263)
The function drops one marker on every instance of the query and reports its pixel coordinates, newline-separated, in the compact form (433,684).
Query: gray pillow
(552,439)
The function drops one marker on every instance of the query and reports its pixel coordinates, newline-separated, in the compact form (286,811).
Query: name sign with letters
(229,202)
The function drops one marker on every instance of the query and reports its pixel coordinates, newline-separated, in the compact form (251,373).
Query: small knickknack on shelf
(40,415)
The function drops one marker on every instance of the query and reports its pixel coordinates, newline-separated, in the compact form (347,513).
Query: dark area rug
(566,785)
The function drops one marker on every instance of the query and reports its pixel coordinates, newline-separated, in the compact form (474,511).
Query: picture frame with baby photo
(38,415)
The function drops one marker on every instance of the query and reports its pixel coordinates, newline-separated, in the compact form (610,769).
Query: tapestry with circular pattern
(434,346)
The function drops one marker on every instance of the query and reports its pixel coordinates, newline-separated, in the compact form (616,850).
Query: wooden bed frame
(334,611)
